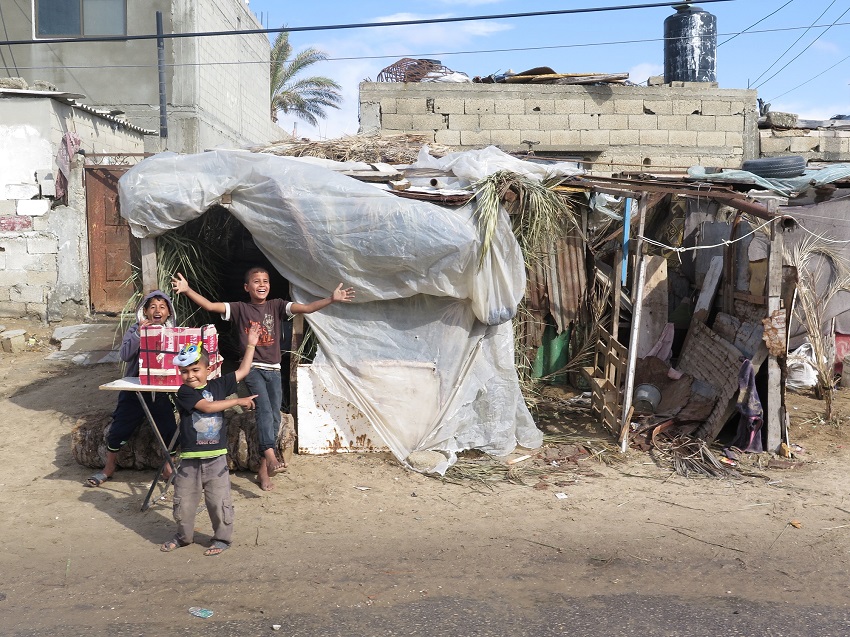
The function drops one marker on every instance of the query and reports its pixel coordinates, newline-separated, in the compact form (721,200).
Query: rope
(727,242)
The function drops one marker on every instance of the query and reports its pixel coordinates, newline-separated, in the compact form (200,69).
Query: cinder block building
(217,88)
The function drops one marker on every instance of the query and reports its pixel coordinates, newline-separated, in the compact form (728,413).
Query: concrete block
(613,122)
(778,119)
(595,137)
(565,138)
(13,341)
(686,138)
(493,121)
(46,182)
(738,107)
(525,122)
(600,105)
(542,106)
(555,122)
(33,207)
(15,224)
(654,137)
(505,137)
(584,121)
(40,278)
(474,138)
(700,122)
(429,121)
(12,310)
(42,245)
(711,138)
(411,105)
(687,107)
(735,140)
(37,309)
(776,145)
(41,224)
(478,106)
(510,106)
(24,293)
(20,191)
(625,137)
(447,137)
(628,107)
(539,136)
(464,122)
(388,105)
(570,105)
(643,122)
(370,117)
(399,122)
(658,107)
(729,123)
(672,122)
(451,105)
(8,206)
(716,107)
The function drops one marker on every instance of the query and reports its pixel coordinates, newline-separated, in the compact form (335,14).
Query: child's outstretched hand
(179,284)
(254,334)
(247,402)
(346,295)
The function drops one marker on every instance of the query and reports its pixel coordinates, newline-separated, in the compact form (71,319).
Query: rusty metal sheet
(567,280)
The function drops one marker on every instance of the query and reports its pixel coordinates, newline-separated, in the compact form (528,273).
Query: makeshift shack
(426,352)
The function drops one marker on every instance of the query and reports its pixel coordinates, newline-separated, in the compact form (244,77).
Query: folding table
(134,384)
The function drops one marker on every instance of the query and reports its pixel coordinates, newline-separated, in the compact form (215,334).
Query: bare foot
(271,462)
(263,476)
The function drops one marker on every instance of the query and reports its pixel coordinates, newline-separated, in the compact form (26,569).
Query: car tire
(776,167)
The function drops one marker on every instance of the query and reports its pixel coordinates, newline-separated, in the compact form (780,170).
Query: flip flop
(216,548)
(97,479)
(172,544)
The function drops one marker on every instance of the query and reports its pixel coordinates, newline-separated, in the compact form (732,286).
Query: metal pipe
(160,62)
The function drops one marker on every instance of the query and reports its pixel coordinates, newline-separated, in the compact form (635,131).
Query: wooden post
(294,361)
(150,278)
(773,416)
(615,299)
(633,348)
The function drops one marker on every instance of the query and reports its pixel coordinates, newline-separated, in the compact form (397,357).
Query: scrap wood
(371,147)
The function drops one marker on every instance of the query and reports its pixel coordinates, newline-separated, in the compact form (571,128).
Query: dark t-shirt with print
(202,433)
(268,316)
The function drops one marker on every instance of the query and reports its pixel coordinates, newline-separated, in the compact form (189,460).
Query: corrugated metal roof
(71,100)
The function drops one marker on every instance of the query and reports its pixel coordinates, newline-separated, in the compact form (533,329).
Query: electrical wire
(727,242)
(811,79)
(430,54)
(802,35)
(755,23)
(820,35)
(361,25)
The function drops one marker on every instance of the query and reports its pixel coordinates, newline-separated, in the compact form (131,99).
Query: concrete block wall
(44,249)
(821,144)
(612,128)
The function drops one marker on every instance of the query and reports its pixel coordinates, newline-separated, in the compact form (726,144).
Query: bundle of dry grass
(88,443)
(370,148)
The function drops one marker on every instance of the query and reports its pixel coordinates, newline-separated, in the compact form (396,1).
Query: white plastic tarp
(423,303)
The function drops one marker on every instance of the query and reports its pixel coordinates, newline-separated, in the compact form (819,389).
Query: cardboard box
(159,345)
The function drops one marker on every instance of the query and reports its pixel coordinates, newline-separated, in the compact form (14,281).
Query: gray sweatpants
(210,477)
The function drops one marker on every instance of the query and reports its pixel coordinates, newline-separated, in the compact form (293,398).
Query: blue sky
(740,61)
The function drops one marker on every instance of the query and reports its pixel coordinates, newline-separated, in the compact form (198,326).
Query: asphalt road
(623,616)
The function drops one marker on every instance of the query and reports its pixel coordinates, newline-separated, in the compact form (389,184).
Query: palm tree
(306,97)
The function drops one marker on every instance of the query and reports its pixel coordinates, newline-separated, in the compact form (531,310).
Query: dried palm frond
(538,214)
(370,147)
(814,262)
(689,457)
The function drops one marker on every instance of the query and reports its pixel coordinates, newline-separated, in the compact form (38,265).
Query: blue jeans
(266,384)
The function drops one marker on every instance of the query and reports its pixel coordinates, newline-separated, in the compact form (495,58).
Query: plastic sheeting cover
(424,308)
(785,187)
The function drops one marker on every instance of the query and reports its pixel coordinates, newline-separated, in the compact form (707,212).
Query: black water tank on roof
(690,45)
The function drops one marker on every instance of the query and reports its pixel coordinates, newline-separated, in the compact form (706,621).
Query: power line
(362,25)
(805,49)
(810,79)
(802,35)
(756,23)
(438,53)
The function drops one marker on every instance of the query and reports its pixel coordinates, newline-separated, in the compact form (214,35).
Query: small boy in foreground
(203,444)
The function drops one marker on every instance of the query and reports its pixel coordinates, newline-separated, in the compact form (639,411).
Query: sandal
(171,545)
(97,479)
(216,548)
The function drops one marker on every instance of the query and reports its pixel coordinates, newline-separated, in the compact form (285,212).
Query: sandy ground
(82,561)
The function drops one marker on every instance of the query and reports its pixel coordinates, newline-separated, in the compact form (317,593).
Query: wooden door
(112,249)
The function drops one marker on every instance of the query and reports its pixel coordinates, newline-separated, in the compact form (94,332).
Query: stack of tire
(776,167)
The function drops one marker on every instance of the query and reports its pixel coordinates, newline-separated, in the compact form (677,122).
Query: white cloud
(826,47)
(471,3)
(641,72)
